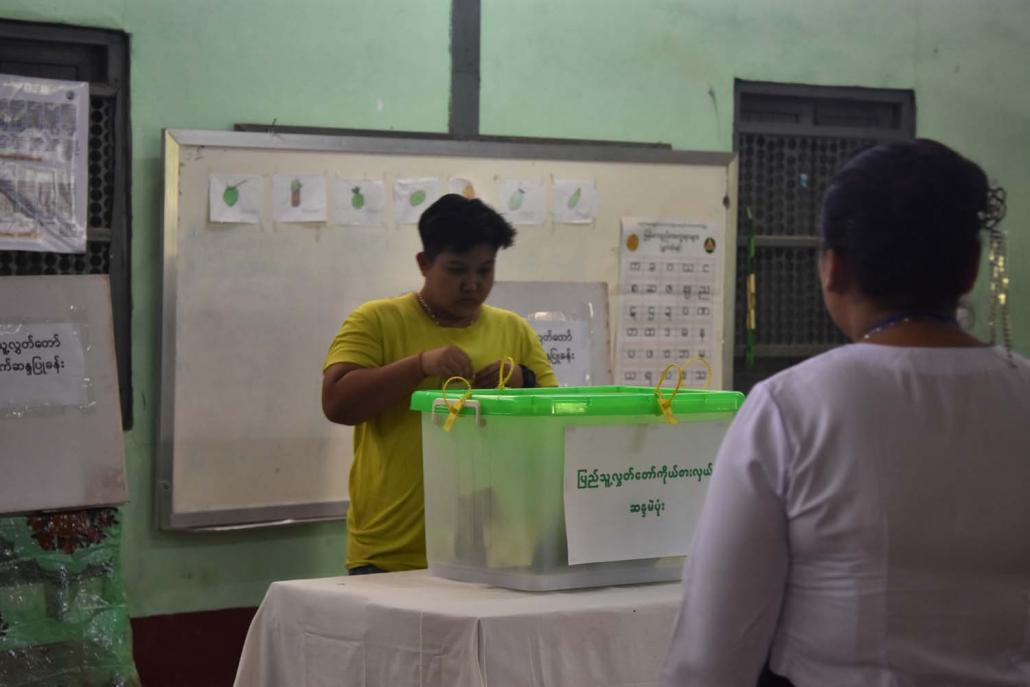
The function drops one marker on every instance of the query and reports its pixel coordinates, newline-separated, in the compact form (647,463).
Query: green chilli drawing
(574,198)
(417,198)
(231,194)
(295,187)
(357,200)
(516,200)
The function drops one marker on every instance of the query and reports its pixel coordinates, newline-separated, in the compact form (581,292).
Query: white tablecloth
(401,629)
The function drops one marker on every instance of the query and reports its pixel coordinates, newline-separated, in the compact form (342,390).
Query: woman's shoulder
(855,370)
(829,363)
(820,381)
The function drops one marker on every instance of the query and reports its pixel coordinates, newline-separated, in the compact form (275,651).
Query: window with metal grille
(790,140)
(101,58)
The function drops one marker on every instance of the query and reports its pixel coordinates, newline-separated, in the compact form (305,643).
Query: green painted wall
(619,69)
(202,64)
(663,70)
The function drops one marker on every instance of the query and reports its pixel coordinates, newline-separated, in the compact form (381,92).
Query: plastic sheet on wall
(43,170)
(63,618)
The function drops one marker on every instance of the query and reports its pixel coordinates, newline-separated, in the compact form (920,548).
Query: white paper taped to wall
(523,201)
(575,201)
(360,202)
(41,365)
(463,186)
(670,301)
(567,344)
(236,198)
(413,196)
(298,198)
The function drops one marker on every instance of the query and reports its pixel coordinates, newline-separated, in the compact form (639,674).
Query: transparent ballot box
(540,489)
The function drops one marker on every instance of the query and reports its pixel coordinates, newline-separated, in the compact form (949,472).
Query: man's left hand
(489,376)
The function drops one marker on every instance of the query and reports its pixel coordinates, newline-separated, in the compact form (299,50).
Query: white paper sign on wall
(567,344)
(522,201)
(236,198)
(41,365)
(360,202)
(299,198)
(413,196)
(574,201)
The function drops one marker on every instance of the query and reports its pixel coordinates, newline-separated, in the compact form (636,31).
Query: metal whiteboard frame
(173,140)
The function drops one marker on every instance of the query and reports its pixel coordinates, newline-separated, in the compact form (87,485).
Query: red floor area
(190,649)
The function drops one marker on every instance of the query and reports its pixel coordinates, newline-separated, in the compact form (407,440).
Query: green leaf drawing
(417,198)
(515,202)
(295,185)
(574,198)
(357,200)
(231,194)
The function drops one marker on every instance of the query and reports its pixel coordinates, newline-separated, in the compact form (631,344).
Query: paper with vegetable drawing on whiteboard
(462,186)
(299,198)
(522,201)
(575,201)
(360,202)
(235,198)
(412,196)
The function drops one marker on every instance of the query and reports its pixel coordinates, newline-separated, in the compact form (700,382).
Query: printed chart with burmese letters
(670,302)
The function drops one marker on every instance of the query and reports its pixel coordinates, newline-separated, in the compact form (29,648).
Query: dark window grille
(101,58)
(790,140)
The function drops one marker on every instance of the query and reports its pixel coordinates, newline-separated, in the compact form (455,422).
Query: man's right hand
(446,362)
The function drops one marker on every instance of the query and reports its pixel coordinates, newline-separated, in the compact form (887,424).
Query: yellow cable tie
(709,373)
(454,409)
(665,404)
(503,379)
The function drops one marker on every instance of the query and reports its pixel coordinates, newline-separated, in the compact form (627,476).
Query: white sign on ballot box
(635,491)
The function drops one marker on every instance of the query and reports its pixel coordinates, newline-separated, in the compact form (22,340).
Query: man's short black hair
(458,224)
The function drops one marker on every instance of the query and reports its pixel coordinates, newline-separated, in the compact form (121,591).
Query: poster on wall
(298,198)
(463,186)
(235,198)
(413,196)
(360,202)
(670,302)
(575,201)
(523,201)
(41,364)
(567,345)
(43,146)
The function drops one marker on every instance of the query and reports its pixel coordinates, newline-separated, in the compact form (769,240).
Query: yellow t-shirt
(385,525)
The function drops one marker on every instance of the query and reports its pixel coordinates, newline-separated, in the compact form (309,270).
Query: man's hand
(489,376)
(446,362)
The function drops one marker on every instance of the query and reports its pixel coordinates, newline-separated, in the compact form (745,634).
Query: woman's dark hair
(906,218)
(459,224)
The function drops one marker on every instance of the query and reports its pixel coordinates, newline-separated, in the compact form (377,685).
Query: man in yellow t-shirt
(389,348)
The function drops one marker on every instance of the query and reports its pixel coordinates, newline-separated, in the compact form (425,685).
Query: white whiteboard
(60,443)
(249,309)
